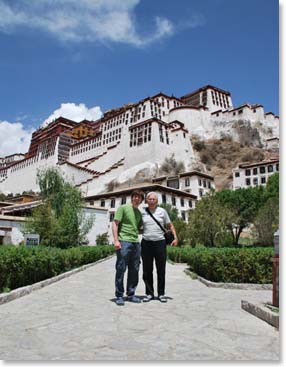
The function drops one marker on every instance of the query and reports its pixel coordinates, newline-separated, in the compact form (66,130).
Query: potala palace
(106,159)
(130,139)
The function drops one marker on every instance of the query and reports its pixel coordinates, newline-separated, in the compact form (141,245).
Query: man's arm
(116,242)
(172,228)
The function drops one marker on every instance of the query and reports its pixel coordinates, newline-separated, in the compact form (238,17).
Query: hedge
(21,266)
(229,265)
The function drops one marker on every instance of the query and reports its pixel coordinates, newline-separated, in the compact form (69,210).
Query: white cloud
(75,112)
(13,138)
(85,20)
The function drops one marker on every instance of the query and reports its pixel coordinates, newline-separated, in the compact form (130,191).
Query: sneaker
(162,299)
(119,301)
(148,298)
(134,299)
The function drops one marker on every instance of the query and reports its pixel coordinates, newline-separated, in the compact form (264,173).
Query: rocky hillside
(218,148)
(219,156)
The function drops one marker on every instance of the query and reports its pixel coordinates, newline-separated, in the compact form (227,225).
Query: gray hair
(152,193)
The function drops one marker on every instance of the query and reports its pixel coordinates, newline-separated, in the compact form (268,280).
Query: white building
(9,159)
(272,144)
(194,182)
(254,174)
(13,218)
(182,200)
(134,137)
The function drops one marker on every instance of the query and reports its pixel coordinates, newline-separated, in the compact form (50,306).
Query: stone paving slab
(77,319)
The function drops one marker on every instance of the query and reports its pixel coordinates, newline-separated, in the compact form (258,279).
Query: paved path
(77,319)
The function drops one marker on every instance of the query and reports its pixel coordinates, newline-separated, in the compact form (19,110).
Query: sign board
(32,239)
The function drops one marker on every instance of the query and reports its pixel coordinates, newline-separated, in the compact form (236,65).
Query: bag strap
(148,211)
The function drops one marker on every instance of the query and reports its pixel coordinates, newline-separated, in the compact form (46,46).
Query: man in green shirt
(125,229)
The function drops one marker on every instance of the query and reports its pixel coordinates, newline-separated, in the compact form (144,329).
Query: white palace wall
(194,119)
(138,134)
(23,175)
(74,175)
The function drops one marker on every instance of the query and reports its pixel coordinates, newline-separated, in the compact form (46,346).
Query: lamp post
(275,268)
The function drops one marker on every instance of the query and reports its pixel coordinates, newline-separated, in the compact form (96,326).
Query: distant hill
(220,156)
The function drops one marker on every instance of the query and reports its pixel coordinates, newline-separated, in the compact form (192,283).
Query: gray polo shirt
(151,230)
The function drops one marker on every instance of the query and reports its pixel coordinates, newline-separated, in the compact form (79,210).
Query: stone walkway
(77,319)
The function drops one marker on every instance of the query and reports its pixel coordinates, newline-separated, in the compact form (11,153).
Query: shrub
(21,266)
(230,265)
(199,145)
(102,239)
(171,166)
(206,158)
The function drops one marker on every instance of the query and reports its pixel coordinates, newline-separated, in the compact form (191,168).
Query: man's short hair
(137,193)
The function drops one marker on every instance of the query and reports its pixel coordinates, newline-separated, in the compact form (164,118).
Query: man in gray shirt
(153,246)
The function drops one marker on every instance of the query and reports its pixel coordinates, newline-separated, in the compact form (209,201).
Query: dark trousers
(150,251)
(127,257)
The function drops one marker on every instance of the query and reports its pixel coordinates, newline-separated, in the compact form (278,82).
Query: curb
(262,312)
(23,291)
(243,286)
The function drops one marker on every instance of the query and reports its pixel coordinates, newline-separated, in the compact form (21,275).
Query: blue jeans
(127,257)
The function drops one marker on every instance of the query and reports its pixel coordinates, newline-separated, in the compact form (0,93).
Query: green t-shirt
(130,220)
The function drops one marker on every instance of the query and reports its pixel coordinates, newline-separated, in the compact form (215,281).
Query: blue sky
(83,57)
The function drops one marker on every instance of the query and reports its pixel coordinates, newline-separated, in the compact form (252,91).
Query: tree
(272,186)
(102,239)
(267,219)
(59,220)
(267,222)
(209,222)
(171,210)
(244,203)
(3,197)
(171,167)
(44,223)
(182,231)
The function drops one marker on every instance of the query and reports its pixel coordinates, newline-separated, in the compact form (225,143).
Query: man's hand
(117,245)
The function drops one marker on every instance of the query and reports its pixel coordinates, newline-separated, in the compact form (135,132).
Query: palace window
(174,183)
(161,134)
(140,135)
(187,181)
(247,182)
(262,169)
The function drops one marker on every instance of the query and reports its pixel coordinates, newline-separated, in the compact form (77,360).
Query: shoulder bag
(169,237)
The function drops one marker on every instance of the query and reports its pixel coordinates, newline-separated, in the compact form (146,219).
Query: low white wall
(15,236)
(100,225)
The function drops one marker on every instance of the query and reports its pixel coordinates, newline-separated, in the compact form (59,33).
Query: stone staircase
(97,174)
